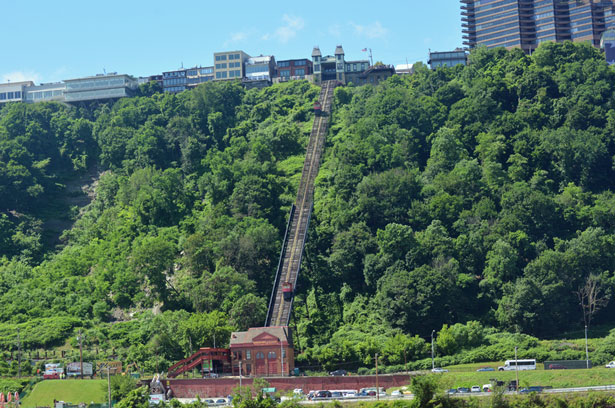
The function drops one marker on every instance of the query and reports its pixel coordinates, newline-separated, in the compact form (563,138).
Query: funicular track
(299,219)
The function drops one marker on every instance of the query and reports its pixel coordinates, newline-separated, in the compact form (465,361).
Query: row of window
(356,67)
(228,74)
(99,83)
(7,96)
(31,96)
(272,355)
(223,57)
(174,81)
(174,74)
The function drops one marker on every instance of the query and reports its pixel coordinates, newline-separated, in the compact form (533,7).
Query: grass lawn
(74,391)
(554,378)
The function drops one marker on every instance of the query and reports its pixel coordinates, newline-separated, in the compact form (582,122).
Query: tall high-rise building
(526,23)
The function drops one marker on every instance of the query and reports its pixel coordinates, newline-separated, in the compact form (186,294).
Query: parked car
(322,394)
(486,369)
(452,391)
(487,387)
(611,364)
(439,370)
(351,394)
(339,373)
(337,395)
(396,393)
(475,388)
(557,367)
(463,389)
(221,401)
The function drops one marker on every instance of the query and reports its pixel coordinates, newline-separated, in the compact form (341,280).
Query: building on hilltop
(293,69)
(186,78)
(45,92)
(259,71)
(447,58)
(262,351)
(229,65)
(100,87)
(526,23)
(13,91)
(335,67)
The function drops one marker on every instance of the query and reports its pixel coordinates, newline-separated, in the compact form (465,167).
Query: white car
(396,393)
(475,388)
(611,364)
(439,370)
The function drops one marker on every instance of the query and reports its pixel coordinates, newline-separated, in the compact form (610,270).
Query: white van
(512,365)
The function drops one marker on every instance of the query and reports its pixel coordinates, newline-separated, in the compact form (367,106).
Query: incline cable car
(287,290)
(317,108)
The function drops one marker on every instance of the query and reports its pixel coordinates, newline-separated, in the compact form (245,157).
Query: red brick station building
(262,351)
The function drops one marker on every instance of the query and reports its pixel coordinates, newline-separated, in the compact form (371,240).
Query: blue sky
(47,41)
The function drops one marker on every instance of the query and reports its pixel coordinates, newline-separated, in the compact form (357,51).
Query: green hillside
(474,201)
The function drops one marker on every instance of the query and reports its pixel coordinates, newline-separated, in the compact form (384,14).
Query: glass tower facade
(526,23)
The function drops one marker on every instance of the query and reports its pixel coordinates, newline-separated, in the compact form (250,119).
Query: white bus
(511,365)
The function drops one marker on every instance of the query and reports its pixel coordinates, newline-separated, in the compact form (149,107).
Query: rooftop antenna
(371,60)
(104,71)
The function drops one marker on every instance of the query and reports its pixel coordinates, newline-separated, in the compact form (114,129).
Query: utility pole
(377,385)
(516,371)
(18,353)
(432,360)
(81,353)
(586,349)
(108,386)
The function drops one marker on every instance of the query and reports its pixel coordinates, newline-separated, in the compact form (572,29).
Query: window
(2,96)
(221,66)
(248,355)
(205,71)
(285,73)
(260,355)
(220,57)
(237,56)
(18,94)
(284,64)
(300,71)
(218,75)
(231,57)
(9,95)
(283,353)
(271,355)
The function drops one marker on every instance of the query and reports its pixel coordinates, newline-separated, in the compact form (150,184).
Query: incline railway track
(299,220)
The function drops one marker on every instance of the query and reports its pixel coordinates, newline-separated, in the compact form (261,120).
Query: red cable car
(287,290)
(317,108)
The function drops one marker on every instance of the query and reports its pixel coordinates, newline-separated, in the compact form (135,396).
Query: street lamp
(432,360)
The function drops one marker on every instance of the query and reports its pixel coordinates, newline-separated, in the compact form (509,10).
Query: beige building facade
(229,65)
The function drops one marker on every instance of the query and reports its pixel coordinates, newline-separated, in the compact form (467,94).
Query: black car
(463,390)
(323,394)
(339,373)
